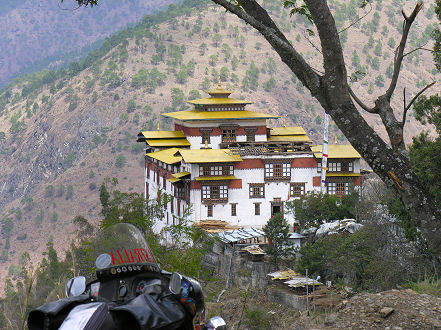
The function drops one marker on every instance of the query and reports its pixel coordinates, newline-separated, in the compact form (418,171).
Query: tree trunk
(390,162)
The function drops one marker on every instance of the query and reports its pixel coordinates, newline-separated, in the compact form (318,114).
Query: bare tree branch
(406,108)
(408,21)
(252,13)
(418,48)
(360,103)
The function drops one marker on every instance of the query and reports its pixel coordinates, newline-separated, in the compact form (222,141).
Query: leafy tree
(312,209)
(120,161)
(277,232)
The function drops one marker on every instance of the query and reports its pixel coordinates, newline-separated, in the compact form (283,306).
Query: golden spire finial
(335,139)
(158,127)
(283,122)
(206,144)
(219,84)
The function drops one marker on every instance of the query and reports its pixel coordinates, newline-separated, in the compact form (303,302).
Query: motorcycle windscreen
(121,244)
(87,316)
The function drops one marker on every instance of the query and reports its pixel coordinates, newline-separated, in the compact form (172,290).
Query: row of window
(337,166)
(235,108)
(228,135)
(257,190)
(233,209)
(218,170)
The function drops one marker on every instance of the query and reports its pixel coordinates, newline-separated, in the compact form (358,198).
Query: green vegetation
(313,208)
(277,232)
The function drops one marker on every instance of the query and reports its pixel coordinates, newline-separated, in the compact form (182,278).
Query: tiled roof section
(336,151)
(168,142)
(142,136)
(195,115)
(166,156)
(208,156)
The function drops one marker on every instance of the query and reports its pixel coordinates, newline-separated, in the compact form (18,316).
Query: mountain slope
(34,34)
(62,133)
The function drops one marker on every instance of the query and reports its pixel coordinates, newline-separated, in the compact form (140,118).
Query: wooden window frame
(209,210)
(214,193)
(257,208)
(233,209)
(228,135)
(279,171)
(216,170)
(294,191)
(260,187)
(205,135)
(250,134)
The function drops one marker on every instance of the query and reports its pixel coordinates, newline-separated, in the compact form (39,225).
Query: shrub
(120,161)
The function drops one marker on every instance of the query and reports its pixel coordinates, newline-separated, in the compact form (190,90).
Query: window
(164,181)
(257,190)
(319,167)
(233,209)
(218,170)
(209,210)
(334,167)
(179,192)
(229,135)
(338,188)
(147,169)
(256,208)
(214,193)
(205,133)
(172,205)
(147,189)
(350,167)
(297,189)
(251,134)
(277,171)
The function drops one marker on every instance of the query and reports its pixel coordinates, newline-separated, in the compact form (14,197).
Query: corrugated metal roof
(167,156)
(161,134)
(215,178)
(337,151)
(296,235)
(287,131)
(289,138)
(219,101)
(301,282)
(191,115)
(232,236)
(174,180)
(283,275)
(168,142)
(209,156)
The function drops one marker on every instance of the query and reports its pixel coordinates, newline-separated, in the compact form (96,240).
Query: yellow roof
(208,156)
(180,174)
(289,138)
(342,174)
(168,142)
(210,178)
(174,180)
(218,100)
(189,115)
(287,131)
(162,134)
(166,156)
(219,90)
(337,151)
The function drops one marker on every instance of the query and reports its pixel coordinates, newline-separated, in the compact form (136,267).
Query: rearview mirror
(175,285)
(75,286)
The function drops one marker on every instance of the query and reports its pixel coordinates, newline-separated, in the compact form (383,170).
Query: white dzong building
(227,164)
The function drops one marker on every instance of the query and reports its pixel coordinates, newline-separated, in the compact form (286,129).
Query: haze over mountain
(63,132)
(35,34)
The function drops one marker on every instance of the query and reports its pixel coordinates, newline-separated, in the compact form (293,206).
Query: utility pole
(324,153)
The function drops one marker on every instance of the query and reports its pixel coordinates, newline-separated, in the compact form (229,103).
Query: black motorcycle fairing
(51,315)
(152,310)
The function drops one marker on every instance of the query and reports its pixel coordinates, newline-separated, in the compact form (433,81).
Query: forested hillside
(62,132)
(37,34)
